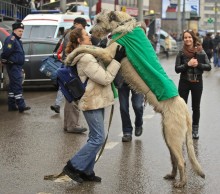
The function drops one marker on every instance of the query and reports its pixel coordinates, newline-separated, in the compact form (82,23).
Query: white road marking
(63,179)
(148,116)
(110,145)
(43,193)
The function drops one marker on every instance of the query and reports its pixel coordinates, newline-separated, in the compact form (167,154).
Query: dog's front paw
(179,184)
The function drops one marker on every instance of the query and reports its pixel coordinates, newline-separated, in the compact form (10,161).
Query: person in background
(71,111)
(137,101)
(191,61)
(97,97)
(216,50)
(167,46)
(207,45)
(37,4)
(153,39)
(32,5)
(13,58)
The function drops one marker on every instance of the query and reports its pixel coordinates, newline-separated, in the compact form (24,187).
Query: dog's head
(112,22)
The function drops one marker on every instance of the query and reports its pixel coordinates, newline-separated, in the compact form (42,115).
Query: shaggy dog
(176,120)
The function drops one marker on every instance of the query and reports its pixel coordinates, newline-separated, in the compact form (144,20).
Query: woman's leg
(196,91)
(184,88)
(84,159)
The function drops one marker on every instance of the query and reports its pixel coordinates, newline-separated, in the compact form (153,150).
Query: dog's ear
(112,16)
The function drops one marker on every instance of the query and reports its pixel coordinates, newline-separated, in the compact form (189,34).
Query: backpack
(70,84)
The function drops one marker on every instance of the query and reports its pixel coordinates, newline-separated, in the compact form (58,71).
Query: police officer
(13,58)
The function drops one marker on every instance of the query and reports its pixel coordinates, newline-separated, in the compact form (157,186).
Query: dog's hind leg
(174,167)
(174,137)
(177,153)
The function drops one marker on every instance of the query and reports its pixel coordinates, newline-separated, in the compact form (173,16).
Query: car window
(39,31)
(42,48)
(162,36)
(26,47)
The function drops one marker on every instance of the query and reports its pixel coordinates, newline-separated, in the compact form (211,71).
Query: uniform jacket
(13,50)
(182,67)
(98,92)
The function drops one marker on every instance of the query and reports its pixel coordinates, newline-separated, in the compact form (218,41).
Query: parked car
(35,51)
(3,77)
(3,34)
(163,35)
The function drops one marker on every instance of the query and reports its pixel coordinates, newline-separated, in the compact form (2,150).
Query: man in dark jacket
(207,45)
(216,42)
(13,58)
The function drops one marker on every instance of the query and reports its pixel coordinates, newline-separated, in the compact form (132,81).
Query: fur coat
(98,92)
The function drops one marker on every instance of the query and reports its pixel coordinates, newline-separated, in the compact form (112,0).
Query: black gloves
(120,53)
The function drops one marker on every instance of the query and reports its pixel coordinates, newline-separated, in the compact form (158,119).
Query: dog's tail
(190,148)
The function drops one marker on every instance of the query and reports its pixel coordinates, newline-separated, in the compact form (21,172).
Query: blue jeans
(59,97)
(137,103)
(216,60)
(84,159)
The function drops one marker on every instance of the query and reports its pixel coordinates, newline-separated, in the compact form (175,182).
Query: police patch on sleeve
(9,46)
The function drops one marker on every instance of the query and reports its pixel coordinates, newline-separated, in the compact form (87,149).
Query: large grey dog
(176,120)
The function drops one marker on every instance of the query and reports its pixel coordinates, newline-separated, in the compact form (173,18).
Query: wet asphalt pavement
(33,144)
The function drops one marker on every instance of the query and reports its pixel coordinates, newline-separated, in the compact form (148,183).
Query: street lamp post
(179,30)
(63,6)
(183,16)
(216,10)
(140,10)
(116,3)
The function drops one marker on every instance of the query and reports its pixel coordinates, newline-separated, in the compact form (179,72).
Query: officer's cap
(17,25)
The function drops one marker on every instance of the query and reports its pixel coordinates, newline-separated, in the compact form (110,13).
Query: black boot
(73,173)
(92,177)
(195,131)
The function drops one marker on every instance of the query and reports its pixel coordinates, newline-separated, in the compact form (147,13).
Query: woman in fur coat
(97,96)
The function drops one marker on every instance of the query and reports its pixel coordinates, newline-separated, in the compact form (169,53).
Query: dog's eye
(97,21)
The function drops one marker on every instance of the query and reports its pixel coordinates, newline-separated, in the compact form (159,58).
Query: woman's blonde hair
(73,40)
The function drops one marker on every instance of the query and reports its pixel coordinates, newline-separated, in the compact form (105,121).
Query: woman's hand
(193,62)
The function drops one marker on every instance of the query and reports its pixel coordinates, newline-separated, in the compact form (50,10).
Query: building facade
(207,12)
(210,14)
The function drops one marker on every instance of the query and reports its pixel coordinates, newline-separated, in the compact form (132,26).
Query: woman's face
(188,40)
(86,38)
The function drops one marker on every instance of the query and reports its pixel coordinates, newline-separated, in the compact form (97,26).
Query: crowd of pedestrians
(211,45)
